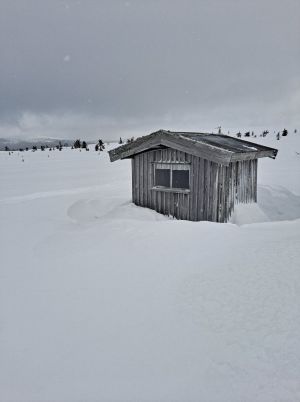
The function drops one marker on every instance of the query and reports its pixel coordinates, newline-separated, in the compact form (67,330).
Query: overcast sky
(93,68)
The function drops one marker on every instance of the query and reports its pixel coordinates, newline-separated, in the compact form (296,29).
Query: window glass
(162,177)
(181,179)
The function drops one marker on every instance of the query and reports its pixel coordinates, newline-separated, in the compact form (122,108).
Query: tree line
(100,146)
(279,134)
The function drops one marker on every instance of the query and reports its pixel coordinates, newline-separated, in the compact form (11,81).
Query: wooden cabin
(193,176)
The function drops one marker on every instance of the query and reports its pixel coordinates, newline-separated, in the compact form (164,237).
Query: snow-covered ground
(101,300)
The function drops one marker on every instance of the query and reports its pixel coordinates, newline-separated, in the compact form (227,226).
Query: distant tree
(120,141)
(129,140)
(278,136)
(77,144)
(34,148)
(265,133)
(284,132)
(252,134)
(21,149)
(83,144)
(7,148)
(247,134)
(239,134)
(295,131)
(26,149)
(101,145)
(42,148)
(97,147)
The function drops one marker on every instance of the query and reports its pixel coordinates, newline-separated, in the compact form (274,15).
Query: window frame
(171,166)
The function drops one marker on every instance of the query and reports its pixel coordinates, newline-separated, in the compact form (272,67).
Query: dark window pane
(181,179)
(162,177)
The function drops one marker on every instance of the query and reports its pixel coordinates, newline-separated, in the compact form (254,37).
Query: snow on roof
(215,147)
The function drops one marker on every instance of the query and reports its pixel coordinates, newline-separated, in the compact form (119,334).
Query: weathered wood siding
(214,188)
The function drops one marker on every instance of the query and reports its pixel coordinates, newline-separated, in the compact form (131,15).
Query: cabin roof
(218,148)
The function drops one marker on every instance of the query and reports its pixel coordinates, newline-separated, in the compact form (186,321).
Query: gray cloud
(124,66)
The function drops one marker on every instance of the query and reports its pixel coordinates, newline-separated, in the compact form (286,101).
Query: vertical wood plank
(133,179)
(141,177)
(171,200)
(145,177)
(150,179)
(215,193)
(137,181)
(192,198)
(200,195)
(255,179)
(207,196)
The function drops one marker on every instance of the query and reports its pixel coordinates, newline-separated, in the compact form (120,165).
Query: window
(181,179)
(162,177)
(172,176)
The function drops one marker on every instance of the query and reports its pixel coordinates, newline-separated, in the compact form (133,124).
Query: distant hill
(16,143)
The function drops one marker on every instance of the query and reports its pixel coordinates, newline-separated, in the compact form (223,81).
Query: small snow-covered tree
(77,144)
(284,132)
(84,144)
(120,141)
(101,145)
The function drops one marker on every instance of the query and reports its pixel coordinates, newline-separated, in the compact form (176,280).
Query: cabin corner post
(255,179)
(133,180)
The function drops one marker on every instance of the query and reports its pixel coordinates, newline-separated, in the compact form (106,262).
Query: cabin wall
(237,183)
(214,188)
(168,203)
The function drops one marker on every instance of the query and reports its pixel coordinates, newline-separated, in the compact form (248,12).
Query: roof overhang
(213,152)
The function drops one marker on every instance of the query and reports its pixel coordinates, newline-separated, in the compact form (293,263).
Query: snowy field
(101,300)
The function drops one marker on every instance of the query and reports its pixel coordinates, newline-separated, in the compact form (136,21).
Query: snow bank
(248,213)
